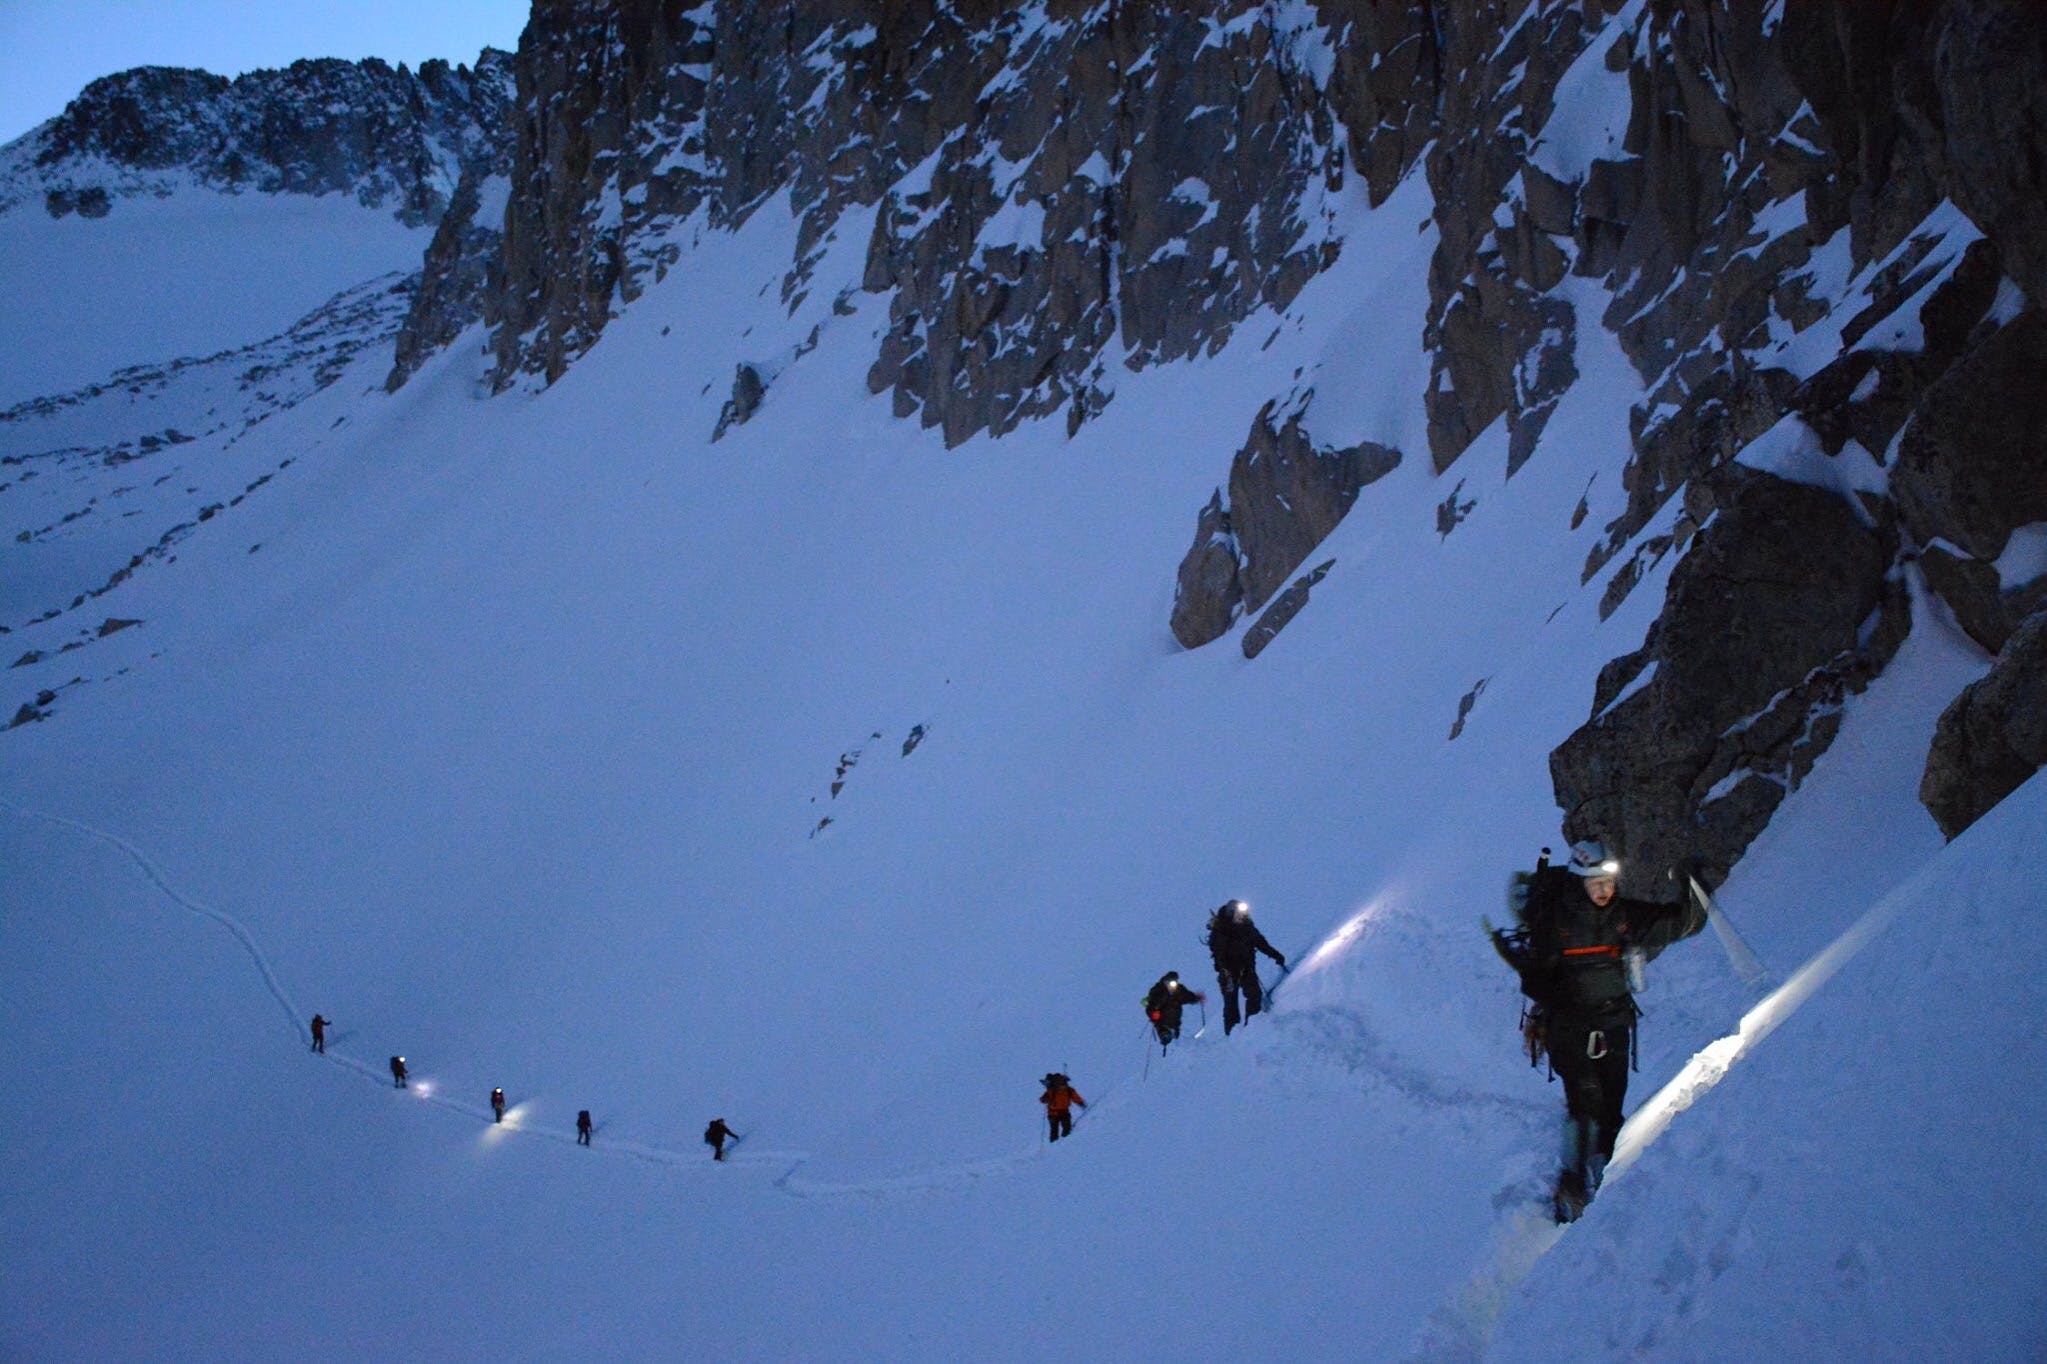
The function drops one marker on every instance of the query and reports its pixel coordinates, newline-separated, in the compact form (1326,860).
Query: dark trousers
(1595,1085)
(1231,982)
(1168,1032)
(582,1136)
(320,1043)
(1062,1124)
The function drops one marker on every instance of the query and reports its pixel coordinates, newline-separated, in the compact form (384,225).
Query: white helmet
(1589,860)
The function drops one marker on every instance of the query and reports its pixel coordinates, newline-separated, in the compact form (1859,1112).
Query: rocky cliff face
(1812,223)
(1060,189)
(1804,223)
(387,136)
(1815,229)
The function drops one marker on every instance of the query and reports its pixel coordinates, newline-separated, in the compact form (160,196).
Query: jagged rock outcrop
(608,144)
(749,386)
(1993,736)
(455,274)
(1501,338)
(1384,82)
(1284,608)
(1972,468)
(1210,594)
(386,135)
(1286,493)
(1157,174)
(1784,606)
(1052,182)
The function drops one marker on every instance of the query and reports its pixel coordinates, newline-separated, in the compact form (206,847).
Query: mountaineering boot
(1570,1198)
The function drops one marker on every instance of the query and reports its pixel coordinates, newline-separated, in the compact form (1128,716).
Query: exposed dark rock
(1464,705)
(1450,512)
(1974,593)
(454,278)
(1867,394)
(748,388)
(608,143)
(1993,736)
(1210,595)
(1286,494)
(385,135)
(1780,609)
(1501,343)
(1990,68)
(1148,175)
(1163,173)
(1972,466)
(114,625)
(1385,83)
(1284,608)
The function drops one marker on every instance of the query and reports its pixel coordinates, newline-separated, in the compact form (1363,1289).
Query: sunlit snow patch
(498,1131)
(1341,940)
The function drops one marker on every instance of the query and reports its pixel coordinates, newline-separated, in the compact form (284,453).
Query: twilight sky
(49,49)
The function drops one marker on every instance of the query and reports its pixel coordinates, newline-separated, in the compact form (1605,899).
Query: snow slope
(512,750)
(187,274)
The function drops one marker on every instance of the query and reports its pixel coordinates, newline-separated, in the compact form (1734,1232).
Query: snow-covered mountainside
(670,593)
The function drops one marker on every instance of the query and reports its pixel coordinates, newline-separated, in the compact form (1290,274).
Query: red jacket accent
(1061,1100)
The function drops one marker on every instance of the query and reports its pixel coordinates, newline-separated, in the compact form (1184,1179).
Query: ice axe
(1740,956)
(1272,990)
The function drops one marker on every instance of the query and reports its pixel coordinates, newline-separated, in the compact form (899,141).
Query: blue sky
(49,49)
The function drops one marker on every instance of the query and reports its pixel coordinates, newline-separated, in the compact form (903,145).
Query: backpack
(1530,895)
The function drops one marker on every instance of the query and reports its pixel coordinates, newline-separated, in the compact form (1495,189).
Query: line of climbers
(1578,947)
(1234,943)
(715,1135)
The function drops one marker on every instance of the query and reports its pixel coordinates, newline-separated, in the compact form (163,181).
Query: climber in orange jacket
(1059,1098)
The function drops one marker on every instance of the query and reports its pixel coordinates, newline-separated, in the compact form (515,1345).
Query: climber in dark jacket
(1162,1005)
(1234,943)
(1583,937)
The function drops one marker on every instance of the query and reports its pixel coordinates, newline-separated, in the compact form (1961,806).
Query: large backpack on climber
(1531,895)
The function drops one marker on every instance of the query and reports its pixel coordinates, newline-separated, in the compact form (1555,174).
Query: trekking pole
(1745,962)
